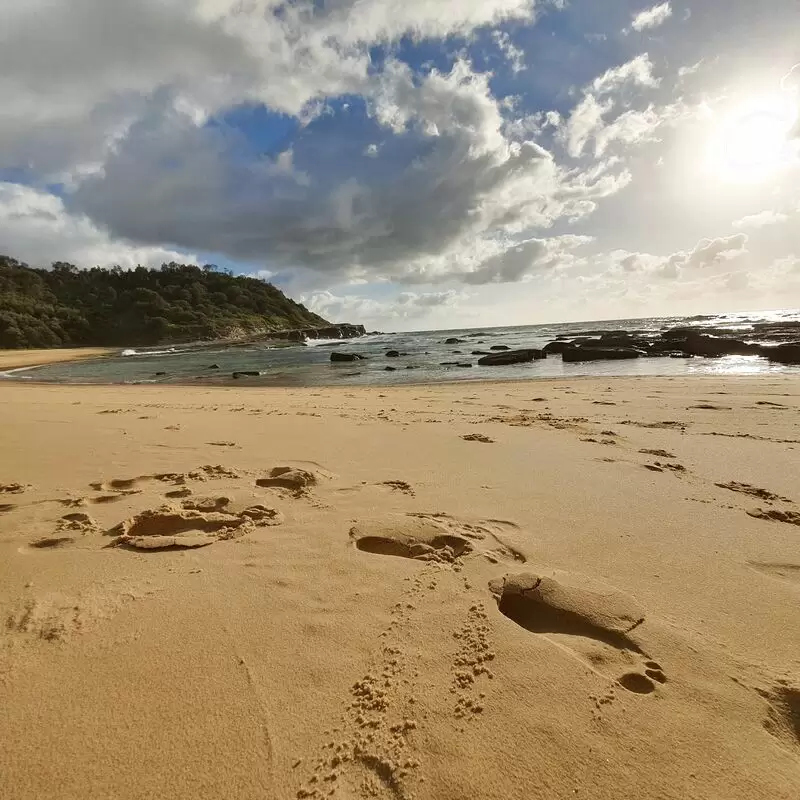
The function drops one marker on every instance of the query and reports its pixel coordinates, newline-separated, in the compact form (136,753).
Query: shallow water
(310,365)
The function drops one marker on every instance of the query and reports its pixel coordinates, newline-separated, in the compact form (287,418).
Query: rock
(448,363)
(347,357)
(783,353)
(511,357)
(390,369)
(213,366)
(463,365)
(246,374)
(457,353)
(481,353)
(556,347)
(159,374)
(572,354)
(411,366)
(392,354)
(453,340)
(691,341)
(499,347)
(681,355)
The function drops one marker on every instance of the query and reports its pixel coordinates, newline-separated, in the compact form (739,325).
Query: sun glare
(753,141)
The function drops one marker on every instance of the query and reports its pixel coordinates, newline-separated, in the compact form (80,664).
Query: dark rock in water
(573,354)
(390,369)
(698,344)
(457,353)
(347,357)
(464,365)
(330,344)
(783,353)
(481,353)
(556,347)
(159,374)
(453,340)
(213,366)
(392,354)
(499,347)
(412,366)
(623,340)
(680,355)
(448,363)
(246,374)
(511,357)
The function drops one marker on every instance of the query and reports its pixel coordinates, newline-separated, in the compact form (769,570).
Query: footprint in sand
(775,515)
(783,717)
(297,480)
(787,572)
(435,537)
(173,527)
(53,541)
(78,522)
(593,626)
(753,491)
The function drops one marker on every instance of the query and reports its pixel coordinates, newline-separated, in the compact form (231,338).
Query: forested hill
(67,306)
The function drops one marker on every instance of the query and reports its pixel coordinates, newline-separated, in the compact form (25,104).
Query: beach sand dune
(352,599)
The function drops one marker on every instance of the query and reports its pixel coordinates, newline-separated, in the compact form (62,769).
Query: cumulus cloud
(635,73)
(403,307)
(651,17)
(763,219)
(75,76)
(460,187)
(592,118)
(683,263)
(36,228)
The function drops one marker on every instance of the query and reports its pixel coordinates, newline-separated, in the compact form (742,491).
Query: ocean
(309,364)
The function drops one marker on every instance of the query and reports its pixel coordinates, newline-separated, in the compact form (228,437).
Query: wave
(132,352)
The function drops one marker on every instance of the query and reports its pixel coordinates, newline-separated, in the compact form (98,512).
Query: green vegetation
(66,306)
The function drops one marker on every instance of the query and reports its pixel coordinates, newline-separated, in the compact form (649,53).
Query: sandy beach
(14,359)
(581,588)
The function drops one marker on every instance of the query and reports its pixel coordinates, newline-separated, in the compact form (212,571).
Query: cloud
(404,306)
(514,55)
(683,263)
(75,76)
(36,228)
(762,220)
(446,184)
(651,17)
(635,73)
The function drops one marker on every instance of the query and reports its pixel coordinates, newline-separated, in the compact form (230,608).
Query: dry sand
(227,593)
(14,359)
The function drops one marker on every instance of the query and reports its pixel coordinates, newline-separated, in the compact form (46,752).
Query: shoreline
(22,359)
(449,591)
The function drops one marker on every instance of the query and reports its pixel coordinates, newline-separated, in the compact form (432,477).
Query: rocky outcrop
(347,357)
(453,340)
(511,357)
(588,353)
(783,353)
(343,331)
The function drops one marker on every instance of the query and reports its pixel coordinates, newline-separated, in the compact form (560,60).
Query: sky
(415,164)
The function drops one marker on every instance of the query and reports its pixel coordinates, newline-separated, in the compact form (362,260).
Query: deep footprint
(783,719)
(422,540)
(544,606)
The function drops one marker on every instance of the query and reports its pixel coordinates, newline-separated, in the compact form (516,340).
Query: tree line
(66,306)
